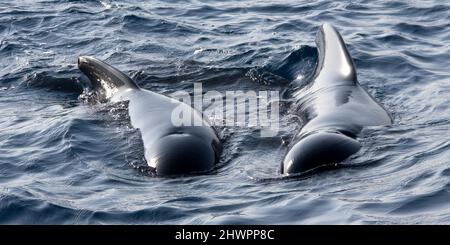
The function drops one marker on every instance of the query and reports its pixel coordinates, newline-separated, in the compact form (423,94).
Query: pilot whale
(334,108)
(169,149)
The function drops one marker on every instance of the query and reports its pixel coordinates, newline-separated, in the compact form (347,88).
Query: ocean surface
(66,160)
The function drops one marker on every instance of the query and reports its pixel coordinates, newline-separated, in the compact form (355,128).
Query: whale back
(335,66)
(334,109)
(169,149)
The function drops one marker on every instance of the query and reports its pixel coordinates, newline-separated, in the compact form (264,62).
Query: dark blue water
(66,161)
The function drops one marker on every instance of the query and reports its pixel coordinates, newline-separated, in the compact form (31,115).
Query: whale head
(316,150)
(183,153)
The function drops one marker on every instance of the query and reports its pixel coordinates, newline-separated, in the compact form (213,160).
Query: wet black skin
(169,149)
(334,108)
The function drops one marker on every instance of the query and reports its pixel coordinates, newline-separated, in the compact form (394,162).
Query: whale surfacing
(169,149)
(335,108)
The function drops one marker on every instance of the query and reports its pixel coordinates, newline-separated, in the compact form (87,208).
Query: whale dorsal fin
(335,65)
(104,76)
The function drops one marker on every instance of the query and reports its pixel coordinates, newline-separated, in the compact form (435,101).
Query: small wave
(56,83)
(298,63)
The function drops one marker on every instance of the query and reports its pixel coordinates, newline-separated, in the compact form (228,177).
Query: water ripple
(65,160)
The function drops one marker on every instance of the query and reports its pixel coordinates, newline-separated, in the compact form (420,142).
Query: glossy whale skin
(334,108)
(169,149)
